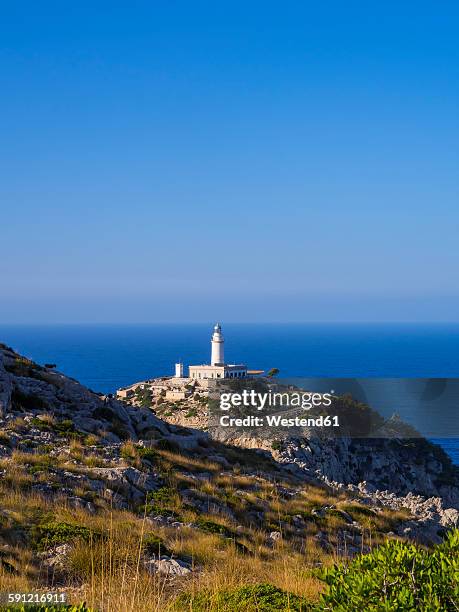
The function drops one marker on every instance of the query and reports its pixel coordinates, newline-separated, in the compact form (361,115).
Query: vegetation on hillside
(227,551)
(250,536)
(397,576)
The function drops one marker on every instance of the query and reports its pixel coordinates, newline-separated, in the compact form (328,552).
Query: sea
(107,357)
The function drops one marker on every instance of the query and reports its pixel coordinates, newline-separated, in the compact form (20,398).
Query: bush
(147,454)
(64,427)
(54,533)
(144,396)
(163,495)
(154,546)
(256,598)
(212,527)
(396,576)
(159,502)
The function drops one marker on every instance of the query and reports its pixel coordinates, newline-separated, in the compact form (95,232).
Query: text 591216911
(33,598)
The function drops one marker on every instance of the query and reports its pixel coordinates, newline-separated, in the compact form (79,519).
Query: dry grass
(47,418)
(92,440)
(18,424)
(170,459)
(4,438)
(108,570)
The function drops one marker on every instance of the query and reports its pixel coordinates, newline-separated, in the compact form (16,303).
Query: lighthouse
(217,368)
(217,353)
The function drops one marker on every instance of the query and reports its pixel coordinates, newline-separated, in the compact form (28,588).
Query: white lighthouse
(217,354)
(217,367)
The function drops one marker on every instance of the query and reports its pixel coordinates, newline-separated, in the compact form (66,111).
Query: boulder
(167,567)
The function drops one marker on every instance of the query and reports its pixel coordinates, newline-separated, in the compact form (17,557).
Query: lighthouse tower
(217,367)
(217,354)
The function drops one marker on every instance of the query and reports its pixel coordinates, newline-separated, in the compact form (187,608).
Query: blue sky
(239,161)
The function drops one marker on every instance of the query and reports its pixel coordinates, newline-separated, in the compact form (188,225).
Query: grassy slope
(105,568)
(227,551)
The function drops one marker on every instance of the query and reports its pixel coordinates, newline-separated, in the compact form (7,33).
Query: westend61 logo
(271,399)
(283,410)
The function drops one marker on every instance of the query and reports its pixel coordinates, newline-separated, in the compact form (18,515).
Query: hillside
(389,464)
(116,507)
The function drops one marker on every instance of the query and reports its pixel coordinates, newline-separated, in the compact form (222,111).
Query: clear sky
(243,161)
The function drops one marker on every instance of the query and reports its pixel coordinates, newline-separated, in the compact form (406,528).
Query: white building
(217,367)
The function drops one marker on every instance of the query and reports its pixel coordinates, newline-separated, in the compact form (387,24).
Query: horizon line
(212,322)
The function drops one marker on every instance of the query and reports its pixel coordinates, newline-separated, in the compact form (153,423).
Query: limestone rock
(167,567)
(56,558)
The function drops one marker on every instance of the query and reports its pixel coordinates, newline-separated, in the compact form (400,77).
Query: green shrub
(147,454)
(163,495)
(159,502)
(397,576)
(256,598)
(211,527)
(152,545)
(64,427)
(42,466)
(39,424)
(53,533)
(144,396)
(359,511)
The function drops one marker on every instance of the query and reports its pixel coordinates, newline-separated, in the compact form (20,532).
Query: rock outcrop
(398,465)
(26,386)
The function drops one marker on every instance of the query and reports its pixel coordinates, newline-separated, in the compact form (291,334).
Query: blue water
(106,357)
